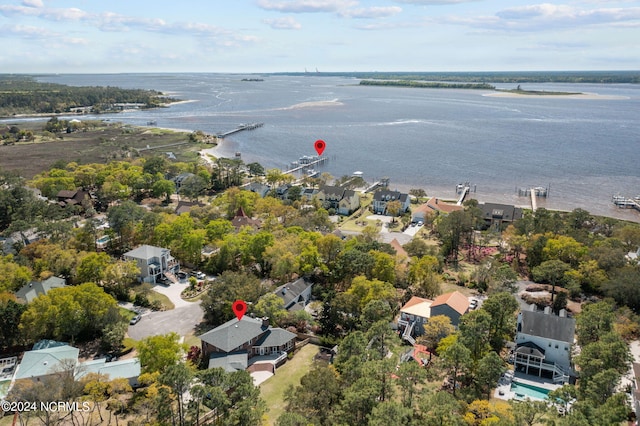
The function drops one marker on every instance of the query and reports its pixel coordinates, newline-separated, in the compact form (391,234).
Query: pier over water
(240,128)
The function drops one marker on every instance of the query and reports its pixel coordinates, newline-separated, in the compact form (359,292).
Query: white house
(381,198)
(154,262)
(543,344)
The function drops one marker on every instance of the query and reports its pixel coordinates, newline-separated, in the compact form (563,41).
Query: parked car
(201,275)
(135,320)
(473,304)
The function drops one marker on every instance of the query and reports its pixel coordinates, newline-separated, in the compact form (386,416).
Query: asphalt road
(180,320)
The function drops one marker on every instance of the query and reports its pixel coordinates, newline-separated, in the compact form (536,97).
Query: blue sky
(90,36)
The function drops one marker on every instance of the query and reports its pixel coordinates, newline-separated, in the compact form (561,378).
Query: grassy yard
(272,391)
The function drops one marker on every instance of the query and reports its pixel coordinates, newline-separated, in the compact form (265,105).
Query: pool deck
(503,390)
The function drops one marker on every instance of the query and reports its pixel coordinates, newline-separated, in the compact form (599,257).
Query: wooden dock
(626,203)
(319,160)
(240,128)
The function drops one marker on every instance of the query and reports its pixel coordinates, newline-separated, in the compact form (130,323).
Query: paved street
(181,320)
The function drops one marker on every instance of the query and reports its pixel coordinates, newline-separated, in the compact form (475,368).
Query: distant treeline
(494,77)
(24,95)
(427,84)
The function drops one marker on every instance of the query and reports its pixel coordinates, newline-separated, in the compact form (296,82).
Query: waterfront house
(232,344)
(440,207)
(381,198)
(498,216)
(343,201)
(36,288)
(543,344)
(154,263)
(259,188)
(295,295)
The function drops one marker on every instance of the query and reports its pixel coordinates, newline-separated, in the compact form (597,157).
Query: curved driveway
(183,319)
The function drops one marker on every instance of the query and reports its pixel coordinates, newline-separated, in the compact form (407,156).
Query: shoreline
(586,96)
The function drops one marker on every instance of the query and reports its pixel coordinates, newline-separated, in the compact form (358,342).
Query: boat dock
(534,193)
(463,189)
(382,183)
(626,203)
(240,128)
(306,163)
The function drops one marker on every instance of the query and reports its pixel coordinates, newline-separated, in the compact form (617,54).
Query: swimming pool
(103,239)
(523,390)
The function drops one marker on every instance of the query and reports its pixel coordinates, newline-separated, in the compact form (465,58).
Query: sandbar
(314,104)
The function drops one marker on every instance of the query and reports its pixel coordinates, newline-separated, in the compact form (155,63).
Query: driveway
(181,320)
(173,292)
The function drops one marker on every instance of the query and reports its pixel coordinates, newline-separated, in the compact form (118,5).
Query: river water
(584,150)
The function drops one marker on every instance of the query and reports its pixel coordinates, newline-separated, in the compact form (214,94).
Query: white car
(473,304)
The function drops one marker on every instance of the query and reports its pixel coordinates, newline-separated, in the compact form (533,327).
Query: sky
(261,36)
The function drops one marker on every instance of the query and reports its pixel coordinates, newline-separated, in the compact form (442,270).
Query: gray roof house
(36,288)
(125,369)
(496,216)
(381,198)
(543,344)
(259,188)
(232,344)
(154,262)
(295,295)
(49,357)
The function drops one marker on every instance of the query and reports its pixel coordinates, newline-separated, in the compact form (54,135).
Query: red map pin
(239,308)
(320,145)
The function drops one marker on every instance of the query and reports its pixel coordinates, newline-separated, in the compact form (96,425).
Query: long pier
(240,128)
(626,203)
(464,193)
(320,160)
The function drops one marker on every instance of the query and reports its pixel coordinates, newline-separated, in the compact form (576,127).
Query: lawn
(272,391)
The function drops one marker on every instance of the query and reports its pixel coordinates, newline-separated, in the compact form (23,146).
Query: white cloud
(371,12)
(287,23)
(435,2)
(546,16)
(306,6)
(33,3)
(27,31)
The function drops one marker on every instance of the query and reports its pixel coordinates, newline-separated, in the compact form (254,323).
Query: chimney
(265,322)
(547,310)
(436,201)
(562,313)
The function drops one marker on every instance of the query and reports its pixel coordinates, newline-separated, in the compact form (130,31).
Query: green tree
(163,187)
(92,268)
(474,333)
(502,308)
(229,287)
(437,328)
(157,353)
(271,306)
(410,376)
(12,275)
(390,413)
(594,321)
(306,401)
(441,408)
(455,361)
(489,370)
(529,413)
(178,377)
(552,272)
(82,311)
(453,229)
(424,276)
(392,209)
(10,313)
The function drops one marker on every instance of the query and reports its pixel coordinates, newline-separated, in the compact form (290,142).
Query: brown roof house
(440,207)
(232,344)
(241,219)
(417,311)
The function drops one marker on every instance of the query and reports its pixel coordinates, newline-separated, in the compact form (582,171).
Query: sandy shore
(588,96)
